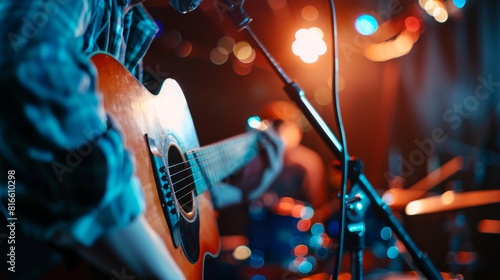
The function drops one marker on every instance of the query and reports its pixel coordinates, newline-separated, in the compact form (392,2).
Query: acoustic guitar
(177,175)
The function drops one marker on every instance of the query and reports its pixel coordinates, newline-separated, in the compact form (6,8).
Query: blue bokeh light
(459,3)
(366,24)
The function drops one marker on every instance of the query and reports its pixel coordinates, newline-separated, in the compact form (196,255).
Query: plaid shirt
(74,180)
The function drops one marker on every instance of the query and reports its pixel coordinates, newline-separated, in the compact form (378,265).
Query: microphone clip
(234,9)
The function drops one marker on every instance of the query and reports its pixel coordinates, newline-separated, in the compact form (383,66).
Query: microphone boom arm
(242,21)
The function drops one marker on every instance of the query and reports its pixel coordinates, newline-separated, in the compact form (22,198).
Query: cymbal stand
(242,20)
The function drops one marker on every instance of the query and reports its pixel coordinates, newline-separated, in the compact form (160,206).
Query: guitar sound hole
(182,179)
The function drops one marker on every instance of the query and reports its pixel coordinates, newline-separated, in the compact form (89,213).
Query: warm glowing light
(429,6)
(448,197)
(309,44)
(413,207)
(309,58)
(422,3)
(310,13)
(300,250)
(489,226)
(184,49)
(250,58)
(403,44)
(366,24)
(304,225)
(296,210)
(242,50)
(412,24)
(340,83)
(391,49)
(226,44)
(240,68)
(345,276)
(440,14)
(318,30)
(277,4)
(307,212)
(217,57)
(242,252)
(435,9)
(285,205)
(323,96)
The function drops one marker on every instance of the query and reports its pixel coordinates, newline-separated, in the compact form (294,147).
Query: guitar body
(158,129)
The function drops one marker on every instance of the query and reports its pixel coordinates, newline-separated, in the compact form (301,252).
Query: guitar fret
(219,160)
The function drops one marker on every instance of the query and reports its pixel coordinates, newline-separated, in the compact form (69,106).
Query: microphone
(185,6)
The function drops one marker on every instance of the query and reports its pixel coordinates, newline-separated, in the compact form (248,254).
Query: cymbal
(489,226)
(399,198)
(451,200)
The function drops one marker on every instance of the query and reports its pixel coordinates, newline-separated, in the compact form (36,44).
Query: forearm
(137,249)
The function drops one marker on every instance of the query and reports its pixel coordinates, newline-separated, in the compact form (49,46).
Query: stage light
(277,4)
(392,252)
(366,24)
(459,3)
(184,49)
(217,57)
(316,241)
(307,212)
(386,233)
(412,24)
(309,44)
(242,252)
(310,13)
(304,225)
(254,122)
(243,50)
(300,250)
(226,44)
(440,14)
(305,267)
(317,229)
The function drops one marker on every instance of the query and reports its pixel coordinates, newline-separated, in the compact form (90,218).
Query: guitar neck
(217,161)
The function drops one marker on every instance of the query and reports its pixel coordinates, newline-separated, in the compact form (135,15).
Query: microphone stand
(362,193)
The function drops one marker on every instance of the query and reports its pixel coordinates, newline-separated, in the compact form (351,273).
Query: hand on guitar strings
(250,182)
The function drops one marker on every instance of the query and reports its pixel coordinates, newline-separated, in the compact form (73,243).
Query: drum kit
(418,200)
(284,217)
(412,200)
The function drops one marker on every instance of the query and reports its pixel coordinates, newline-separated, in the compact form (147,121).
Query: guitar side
(139,113)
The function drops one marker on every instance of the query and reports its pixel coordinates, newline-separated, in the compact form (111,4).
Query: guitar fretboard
(219,160)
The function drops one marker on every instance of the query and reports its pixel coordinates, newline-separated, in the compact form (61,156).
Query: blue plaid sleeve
(75,179)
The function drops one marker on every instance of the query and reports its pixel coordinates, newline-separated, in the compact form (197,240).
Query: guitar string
(191,183)
(205,155)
